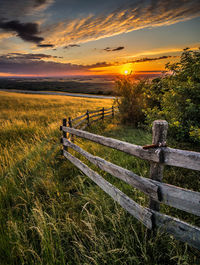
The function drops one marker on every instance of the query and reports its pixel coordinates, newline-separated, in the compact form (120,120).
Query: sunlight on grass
(50,213)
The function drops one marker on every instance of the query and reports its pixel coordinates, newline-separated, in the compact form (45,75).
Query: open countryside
(99,132)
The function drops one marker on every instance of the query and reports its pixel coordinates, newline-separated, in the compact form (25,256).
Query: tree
(180,101)
(174,97)
(131,100)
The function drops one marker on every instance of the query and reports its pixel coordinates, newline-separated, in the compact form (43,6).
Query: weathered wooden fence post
(103,113)
(113,112)
(70,125)
(65,134)
(159,138)
(88,118)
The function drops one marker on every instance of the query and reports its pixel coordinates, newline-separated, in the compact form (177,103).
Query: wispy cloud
(18,57)
(72,46)
(45,45)
(108,49)
(123,19)
(149,59)
(140,60)
(171,50)
(98,65)
(42,4)
(5,35)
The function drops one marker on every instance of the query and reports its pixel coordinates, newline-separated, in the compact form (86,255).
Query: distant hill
(100,85)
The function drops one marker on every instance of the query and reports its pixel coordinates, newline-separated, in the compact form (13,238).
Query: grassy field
(50,213)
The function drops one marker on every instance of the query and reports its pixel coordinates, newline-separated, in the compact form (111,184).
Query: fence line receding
(159,155)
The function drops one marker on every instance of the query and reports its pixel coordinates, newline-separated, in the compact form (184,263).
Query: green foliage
(50,213)
(174,97)
(131,100)
(180,99)
(188,69)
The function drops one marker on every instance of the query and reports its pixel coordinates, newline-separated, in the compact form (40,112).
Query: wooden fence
(159,155)
(90,117)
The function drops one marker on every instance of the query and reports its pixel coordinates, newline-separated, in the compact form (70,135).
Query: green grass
(50,213)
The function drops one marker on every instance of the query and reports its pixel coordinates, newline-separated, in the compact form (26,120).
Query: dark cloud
(19,57)
(36,67)
(72,46)
(40,2)
(18,9)
(148,59)
(46,46)
(108,49)
(26,31)
(100,64)
(142,60)
(19,63)
(118,49)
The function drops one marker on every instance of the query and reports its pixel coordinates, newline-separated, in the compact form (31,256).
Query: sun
(126,69)
(126,72)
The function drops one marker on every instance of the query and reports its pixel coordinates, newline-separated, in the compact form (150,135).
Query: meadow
(50,213)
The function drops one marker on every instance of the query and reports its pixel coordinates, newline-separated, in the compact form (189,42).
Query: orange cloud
(129,18)
(161,51)
(42,65)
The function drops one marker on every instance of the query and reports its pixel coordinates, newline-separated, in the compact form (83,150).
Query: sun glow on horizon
(126,69)
(126,72)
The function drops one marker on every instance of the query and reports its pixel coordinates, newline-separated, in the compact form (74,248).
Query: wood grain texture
(182,158)
(128,176)
(131,149)
(144,215)
(179,229)
(182,199)
(176,197)
(173,157)
(159,137)
(64,124)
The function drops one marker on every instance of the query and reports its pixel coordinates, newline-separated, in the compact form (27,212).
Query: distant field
(50,213)
(96,86)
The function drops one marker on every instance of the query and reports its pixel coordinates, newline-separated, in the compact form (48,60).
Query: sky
(87,37)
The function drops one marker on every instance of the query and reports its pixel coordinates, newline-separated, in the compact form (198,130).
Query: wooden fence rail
(158,155)
(88,118)
(177,197)
(169,156)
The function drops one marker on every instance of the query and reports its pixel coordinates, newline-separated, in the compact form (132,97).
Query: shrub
(131,100)
(174,97)
(180,101)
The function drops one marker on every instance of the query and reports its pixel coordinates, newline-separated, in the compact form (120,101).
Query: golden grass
(50,213)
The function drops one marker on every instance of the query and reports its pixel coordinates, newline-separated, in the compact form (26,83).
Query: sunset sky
(87,37)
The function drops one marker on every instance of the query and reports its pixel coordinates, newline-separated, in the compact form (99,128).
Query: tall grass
(50,213)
